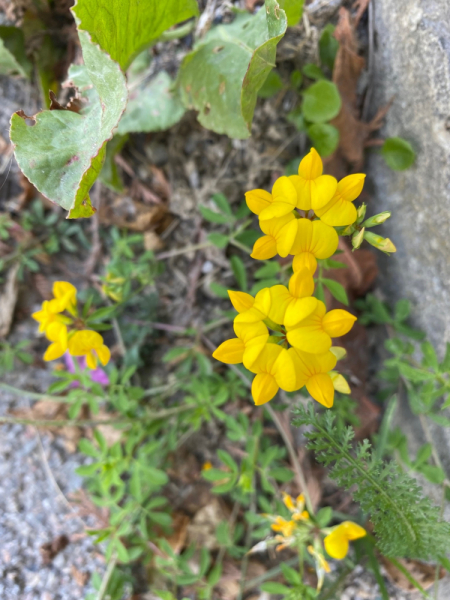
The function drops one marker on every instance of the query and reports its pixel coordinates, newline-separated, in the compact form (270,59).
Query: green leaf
(221,201)
(313,71)
(429,355)
(432,473)
(328,46)
(272,85)
(336,290)
(324,516)
(269,270)
(445,364)
(275,588)
(153,106)
(414,375)
(109,175)
(297,119)
(218,239)
(291,575)
(239,272)
(227,460)
(215,475)
(398,153)
(219,290)
(222,76)
(321,102)
(282,474)
(423,455)
(293,10)
(402,310)
(13,59)
(214,217)
(106,312)
(324,137)
(123,28)
(62,153)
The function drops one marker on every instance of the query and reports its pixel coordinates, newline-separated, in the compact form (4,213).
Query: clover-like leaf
(63,151)
(152,107)
(222,76)
(123,28)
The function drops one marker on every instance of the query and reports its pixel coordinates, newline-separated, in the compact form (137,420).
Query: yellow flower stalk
(313,240)
(337,542)
(314,190)
(280,234)
(245,347)
(340,210)
(274,369)
(89,344)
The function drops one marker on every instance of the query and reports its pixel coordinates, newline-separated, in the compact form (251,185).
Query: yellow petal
(309,339)
(350,187)
(338,213)
(304,260)
(91,360)
(249,331)
(339,352)
(324,240)
(258,200)
(338,322)
(253,350)
(339,382)
(54,351)
(303,239)
(311,166)
(299,309)
(240,300)
(322,190)
(252,315)
(284,371)
(56,332)
(320,387)
(284,199)
(336,545)
(264,388)
(230,352)
(352,531)
(301,284)
(288,502)
(303,189)
(61,288)
(263,301)
(104,354)
(280,299)
(286,237)
(265,247)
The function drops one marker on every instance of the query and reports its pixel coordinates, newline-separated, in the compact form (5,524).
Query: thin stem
(185,250)
(33,395)
(176,34)
(107,576)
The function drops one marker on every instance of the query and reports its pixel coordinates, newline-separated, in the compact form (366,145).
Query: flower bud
(361,212)
(383,244)
(377,219)
(339,352)
(357,238)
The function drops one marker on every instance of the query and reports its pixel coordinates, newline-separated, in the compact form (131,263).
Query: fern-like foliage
(405,522)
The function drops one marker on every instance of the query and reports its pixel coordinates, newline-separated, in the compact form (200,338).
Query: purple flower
(97,375)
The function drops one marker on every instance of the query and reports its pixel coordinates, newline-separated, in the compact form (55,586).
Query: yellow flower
(286,528)
(251,310)
(336,543)
(56,333)
(314,190)
(340,209)
(65,297)
(296,507)
(312,370)
(47,315)
(274,369)
(245,347)
(339,382)
(313,240)
(89,344)
(280,202)
(280,236)
(289,306)
(313,334)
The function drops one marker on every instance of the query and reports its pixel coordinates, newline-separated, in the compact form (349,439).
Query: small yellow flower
(296,507)
(337,542)
(47,315)
(57,333)
(286,528)
(313,240)
(280,202)
(340,210)
(274,369)
(312,370)
(289,306)
(280,234)
(314,190)
(207,466)
(65,297)
(89,344)
(245,347)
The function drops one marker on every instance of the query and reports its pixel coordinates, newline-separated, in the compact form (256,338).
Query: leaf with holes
(222,76)
(123,28)
(152,107)
(62,153)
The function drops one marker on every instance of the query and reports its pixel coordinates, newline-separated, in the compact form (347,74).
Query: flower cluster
(301,528)
(284,334)
(65,329)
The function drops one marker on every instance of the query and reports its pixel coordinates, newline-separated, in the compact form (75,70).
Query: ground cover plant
(182,404)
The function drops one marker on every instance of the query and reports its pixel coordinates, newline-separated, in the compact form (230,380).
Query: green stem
(176,34)
(107,576)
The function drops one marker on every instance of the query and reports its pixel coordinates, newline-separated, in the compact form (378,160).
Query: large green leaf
(152,107)
(13,59)
(294,10)
(222,76)
(62,153)
(125,27)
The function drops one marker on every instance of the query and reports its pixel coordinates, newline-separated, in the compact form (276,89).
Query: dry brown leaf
(177,539)
(152,241)
(422,572)
(8,299)
(50,549)
(202,529)
(123,211)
